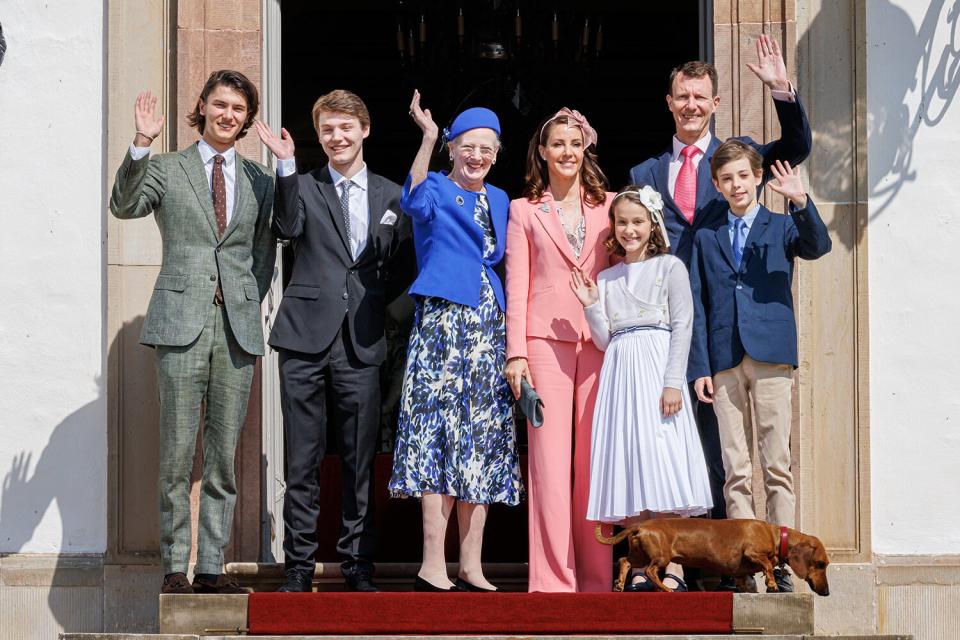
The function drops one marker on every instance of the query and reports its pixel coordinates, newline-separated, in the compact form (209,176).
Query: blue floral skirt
(455,433)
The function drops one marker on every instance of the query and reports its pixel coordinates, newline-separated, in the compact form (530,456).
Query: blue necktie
(738,226)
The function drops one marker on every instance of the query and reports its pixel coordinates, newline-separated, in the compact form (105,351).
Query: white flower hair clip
(652,201)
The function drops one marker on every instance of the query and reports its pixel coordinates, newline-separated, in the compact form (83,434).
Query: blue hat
(474,118)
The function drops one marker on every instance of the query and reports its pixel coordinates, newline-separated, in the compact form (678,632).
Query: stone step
(134,636)
(783,614)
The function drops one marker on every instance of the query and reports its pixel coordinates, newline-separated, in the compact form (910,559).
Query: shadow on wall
(32,485)
(913,89)
(3,45)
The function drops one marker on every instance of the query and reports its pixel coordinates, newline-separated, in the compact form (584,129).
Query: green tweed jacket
(174,187)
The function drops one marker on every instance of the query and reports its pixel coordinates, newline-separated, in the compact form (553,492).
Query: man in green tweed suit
(213,209)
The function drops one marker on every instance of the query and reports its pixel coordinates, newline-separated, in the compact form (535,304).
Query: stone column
(829,436)
(212,35)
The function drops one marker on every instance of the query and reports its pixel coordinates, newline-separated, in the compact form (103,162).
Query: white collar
(703,144)
(207,152)
(359,178)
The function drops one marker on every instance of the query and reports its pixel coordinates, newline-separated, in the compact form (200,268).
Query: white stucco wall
(53,410)
(914,284)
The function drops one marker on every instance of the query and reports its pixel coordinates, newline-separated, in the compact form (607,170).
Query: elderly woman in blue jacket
(456,443)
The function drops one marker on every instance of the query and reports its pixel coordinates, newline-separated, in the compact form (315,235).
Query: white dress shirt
(676,161)
(359,207)
(206,156)
(359,202)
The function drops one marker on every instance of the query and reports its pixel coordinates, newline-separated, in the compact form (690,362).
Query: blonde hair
(340,101)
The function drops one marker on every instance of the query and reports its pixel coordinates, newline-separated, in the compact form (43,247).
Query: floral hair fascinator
(652,201)
(589,134)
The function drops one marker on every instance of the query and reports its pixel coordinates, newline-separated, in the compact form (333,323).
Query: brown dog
(730,547)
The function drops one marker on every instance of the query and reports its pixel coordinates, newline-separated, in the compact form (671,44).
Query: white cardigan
(653,293)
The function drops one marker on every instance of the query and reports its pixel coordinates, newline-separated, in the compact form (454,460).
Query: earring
(493,162)
(451,157)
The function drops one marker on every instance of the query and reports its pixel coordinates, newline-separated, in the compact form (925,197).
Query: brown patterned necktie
(219,188)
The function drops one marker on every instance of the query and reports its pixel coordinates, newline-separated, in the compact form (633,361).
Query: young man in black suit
(345,224)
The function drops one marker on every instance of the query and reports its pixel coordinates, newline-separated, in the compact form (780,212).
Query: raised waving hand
(280,146)
(787,183)
(770,67)
(149,124)
(584,287)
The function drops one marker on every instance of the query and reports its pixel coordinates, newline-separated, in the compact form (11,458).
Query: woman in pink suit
(560,224)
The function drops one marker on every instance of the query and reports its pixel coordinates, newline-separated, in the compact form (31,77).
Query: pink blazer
(540,303)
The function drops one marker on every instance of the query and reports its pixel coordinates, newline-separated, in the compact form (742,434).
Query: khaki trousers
(766,389)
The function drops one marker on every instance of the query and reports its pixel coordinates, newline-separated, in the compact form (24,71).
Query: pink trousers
(564,554)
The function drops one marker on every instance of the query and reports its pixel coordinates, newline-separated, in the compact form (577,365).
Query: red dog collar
(784,536)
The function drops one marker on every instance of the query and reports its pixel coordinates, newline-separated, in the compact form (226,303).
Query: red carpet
(497,613)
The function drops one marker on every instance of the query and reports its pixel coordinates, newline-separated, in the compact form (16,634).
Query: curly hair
(232,80)
(655,245)
(592,179)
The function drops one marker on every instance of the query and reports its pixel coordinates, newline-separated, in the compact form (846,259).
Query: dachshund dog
(730,547)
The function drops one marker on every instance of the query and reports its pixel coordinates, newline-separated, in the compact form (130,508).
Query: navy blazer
(711,209)
(750,310)
(449,243)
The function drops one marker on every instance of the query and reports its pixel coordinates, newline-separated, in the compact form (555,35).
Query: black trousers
(304,381)
(712,452)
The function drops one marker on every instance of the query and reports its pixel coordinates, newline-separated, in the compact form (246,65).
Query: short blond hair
(340,101)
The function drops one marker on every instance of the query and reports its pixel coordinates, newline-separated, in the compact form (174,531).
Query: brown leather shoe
(222,583)
(176,583)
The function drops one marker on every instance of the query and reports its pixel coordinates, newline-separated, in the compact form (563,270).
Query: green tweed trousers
(212,370)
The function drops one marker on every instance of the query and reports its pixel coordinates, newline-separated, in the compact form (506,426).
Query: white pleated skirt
(639,460)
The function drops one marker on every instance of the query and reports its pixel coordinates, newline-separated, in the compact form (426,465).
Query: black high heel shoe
(419,584)
(462,585)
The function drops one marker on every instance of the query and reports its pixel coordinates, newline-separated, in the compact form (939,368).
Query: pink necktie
(685,190)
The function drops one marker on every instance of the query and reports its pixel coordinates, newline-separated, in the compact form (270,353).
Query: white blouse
(653,293)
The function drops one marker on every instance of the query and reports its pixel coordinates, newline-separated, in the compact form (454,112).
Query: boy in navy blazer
(744,346)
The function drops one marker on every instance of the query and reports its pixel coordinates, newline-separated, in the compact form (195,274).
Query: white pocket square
(388,218)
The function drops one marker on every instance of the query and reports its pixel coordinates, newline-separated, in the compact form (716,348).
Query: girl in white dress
(646,458)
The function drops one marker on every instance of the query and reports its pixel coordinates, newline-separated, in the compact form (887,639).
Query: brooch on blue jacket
(459,200)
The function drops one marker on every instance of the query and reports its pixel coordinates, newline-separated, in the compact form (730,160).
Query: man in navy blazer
(744,346)
(692,101)
(697,205)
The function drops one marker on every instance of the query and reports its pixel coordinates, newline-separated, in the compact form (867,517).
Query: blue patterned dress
(455,433)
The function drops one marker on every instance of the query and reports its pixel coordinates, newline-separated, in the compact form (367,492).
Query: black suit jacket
(327,283)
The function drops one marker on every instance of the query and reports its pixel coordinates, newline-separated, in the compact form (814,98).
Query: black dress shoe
(782,577)
(176,583)
(727,583)
(419,584)
(462,585)
(298,581)
(358,574)
(217,583)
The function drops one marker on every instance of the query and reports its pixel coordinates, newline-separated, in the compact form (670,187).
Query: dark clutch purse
(530,404)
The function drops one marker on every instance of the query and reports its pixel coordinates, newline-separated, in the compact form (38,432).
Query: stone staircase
(216,617)
(223,617)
